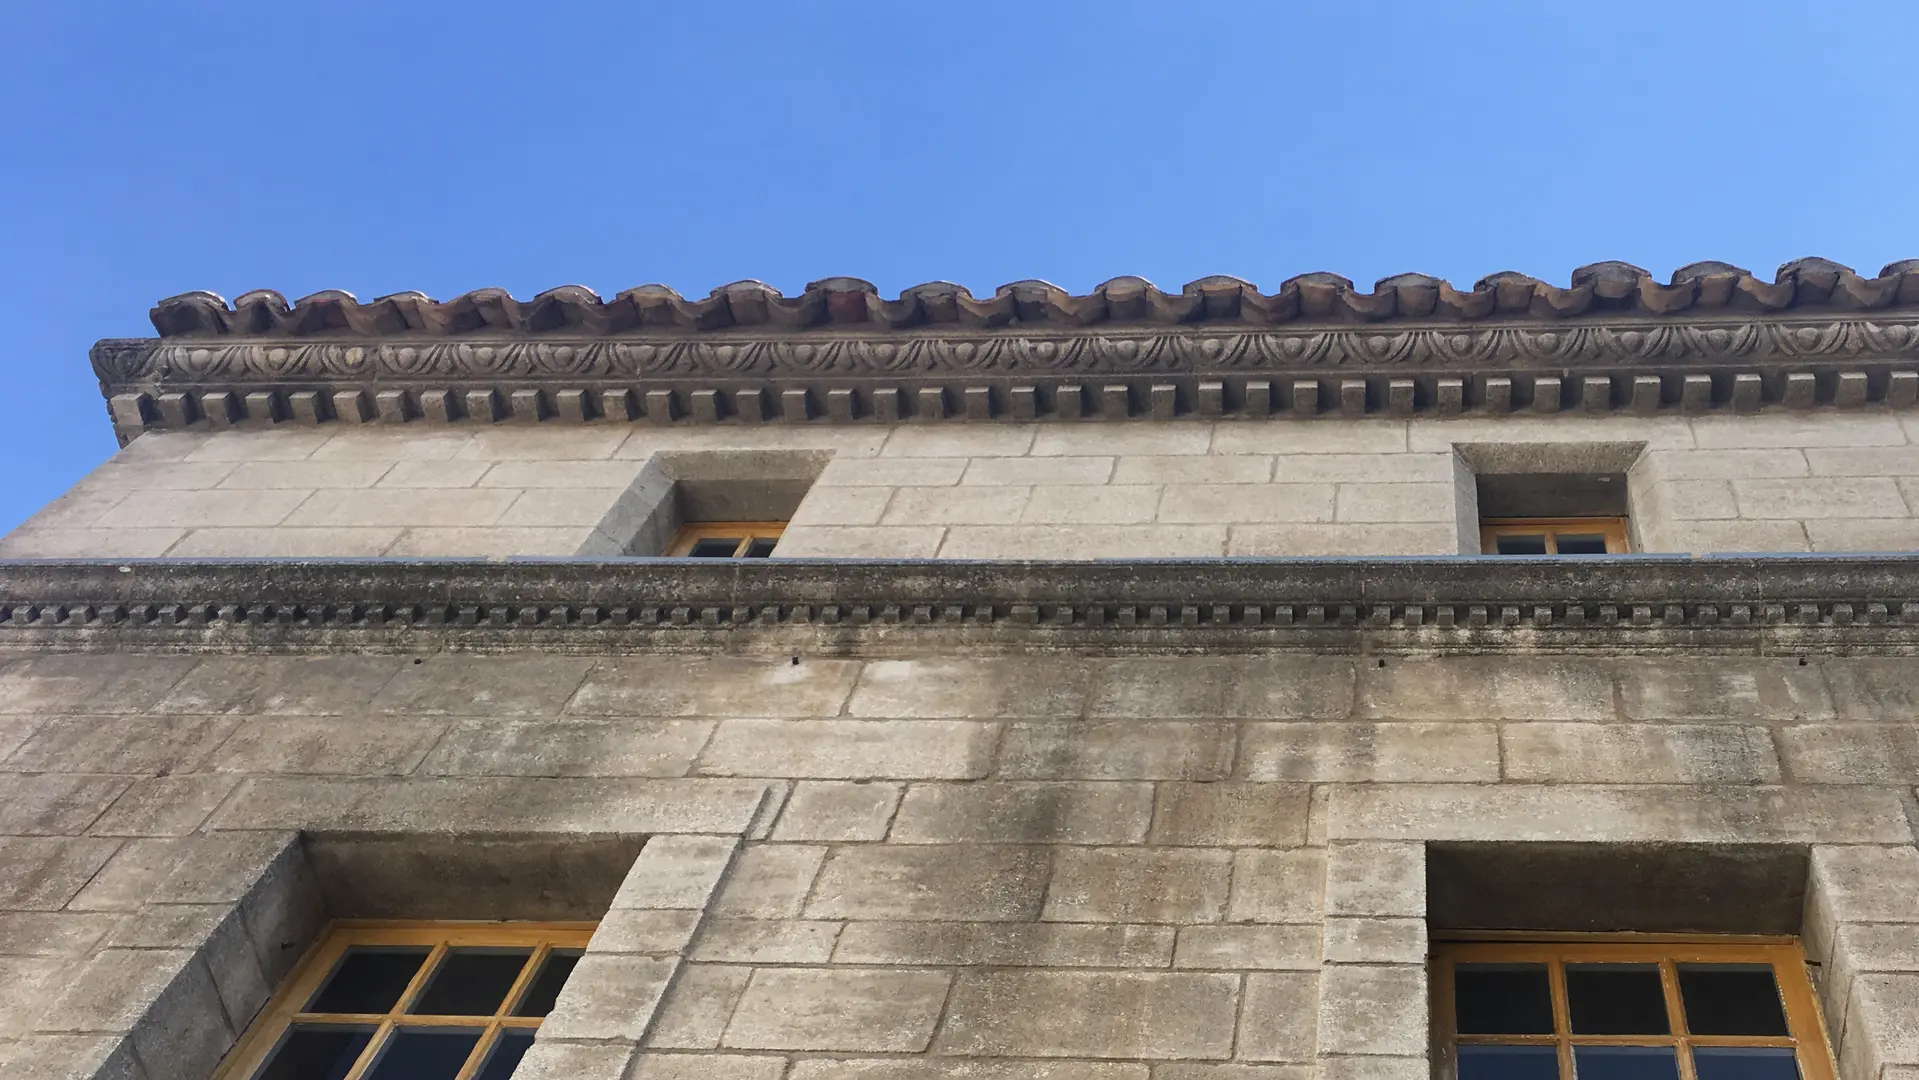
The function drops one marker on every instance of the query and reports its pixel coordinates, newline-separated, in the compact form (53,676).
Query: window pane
(508,1049)
(1503,999)
(424,1054)
(762,547)
(715,547)
(1582,544)
(315,1052)
(1616,999)
(471,982)
(368,980)
(1625,1063)
(1520,545)
(546,985)
(1731,999)
(1745,1063)
(1508,1062)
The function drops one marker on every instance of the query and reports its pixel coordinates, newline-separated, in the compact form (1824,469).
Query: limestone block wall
(1825,482)
(926,868)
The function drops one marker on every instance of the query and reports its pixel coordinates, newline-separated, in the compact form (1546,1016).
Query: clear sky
(150,149)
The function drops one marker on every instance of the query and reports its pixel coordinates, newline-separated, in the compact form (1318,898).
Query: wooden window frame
(692,533)
(1614,529)
(1783,954)
(283,1011)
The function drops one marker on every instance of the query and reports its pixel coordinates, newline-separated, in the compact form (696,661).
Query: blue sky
(151,149)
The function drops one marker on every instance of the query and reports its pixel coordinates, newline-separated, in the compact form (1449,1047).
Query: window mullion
(1562,1015)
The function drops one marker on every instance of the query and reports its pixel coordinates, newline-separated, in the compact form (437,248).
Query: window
(423,1001)
(727,539)
(1651,1007)
(1554,536)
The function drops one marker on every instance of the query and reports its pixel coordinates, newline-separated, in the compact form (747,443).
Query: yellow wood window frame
(284,1011)
(1782,955)
(1612,528)
(747,531)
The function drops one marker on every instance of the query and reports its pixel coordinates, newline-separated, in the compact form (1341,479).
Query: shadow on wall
(677,489)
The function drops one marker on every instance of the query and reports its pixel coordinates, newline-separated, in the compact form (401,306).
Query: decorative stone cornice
(1714,338)
(1629,604)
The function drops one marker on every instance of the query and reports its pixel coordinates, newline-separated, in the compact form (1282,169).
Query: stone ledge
(1465,604)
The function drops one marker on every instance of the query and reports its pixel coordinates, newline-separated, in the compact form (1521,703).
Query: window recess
(1643,1007)
(412,1000)
(727,539)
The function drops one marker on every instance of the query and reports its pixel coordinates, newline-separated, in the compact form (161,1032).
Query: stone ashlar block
(1120,750)
(1639,753)
(769,881)
(484,686)
(295,744)
(494,804)
(708,1067)
(836,810)
(983,688)
(1278,886)
(73,1057)
(767,941)
(1239,948)
(86,684)
(1024,812)
(1745,690)
(143,744)
(52,804)
(1370,753)
(47,933)
(287,685)
(1277,1017)
(1851,753)
(645,931)
(1374,879)
(1231,814)
(851,749)
(1040,944)
(1375,941)
(1133,884)
(933,1068)
(1881,1025)
(1279,688)
(1373,1010)
(676,872)
(822,1009)
(713,686)
(552,1059)
(694,1014)
(1868,884)
(1487,688)
(609,997)
(1128,1015)
(568,748)
(1873,688)
(967,883)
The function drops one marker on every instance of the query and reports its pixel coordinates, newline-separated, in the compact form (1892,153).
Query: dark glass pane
(1520,545)
(1616,999)
(1745,1063)
(1508,1063)
(471,982)
(546,985)
(508,1049)
(1582,545)
(715,547)
(761,548)
(1503,999)
(1731,999)
(1625,1063)
(368,980)
(424,1054)
(315,1052)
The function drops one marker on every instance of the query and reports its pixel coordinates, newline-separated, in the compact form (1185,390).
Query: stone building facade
(1127,698)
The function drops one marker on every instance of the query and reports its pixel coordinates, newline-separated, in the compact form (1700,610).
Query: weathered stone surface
(497,804)
(490,686)
(1381,752)
(44,873)
(1278,886)
(1375,941)
(77,683)
(655,1066)
(850,749)
(1024,812)
(1639,753)
(767,941)
(1006,944)
(1132,884)
(694,1014)
(713,686)
(1868,688)
(1277,1017)
(932,1068)
(43,804)
(122,744)
(1373,1010)
(979,883)
(609,997)
(1295,948)
(769,881)
(566,748)
(74,1057)
(280,685)
(677,872)
(647,931)
(164,805)
(296,744)
(1374,879)
(818,1009)
(1487,688)
(1280,688)
(1091,1015)
(1230,814)
(1119,750)
(33,933)
(838,810)
(1855,880)
(1715,689)
(1614,814)
(971,688)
